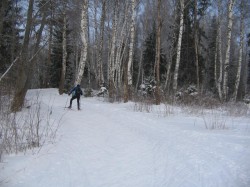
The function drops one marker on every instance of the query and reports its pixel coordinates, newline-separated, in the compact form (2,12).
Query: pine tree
(187,72)
(212,67)
(149,56)
(9,33)
(57,57)
(191,60)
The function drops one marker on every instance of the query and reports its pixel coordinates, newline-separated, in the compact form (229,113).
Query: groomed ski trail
(110,145)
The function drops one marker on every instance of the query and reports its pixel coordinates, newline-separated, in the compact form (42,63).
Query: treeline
(170,44)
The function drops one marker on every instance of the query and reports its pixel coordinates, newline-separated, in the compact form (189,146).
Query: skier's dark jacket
(76,91)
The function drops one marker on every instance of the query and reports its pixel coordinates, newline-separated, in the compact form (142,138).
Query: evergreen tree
(149,56)
(57,55)
(187,74)
(9,33)
(210,68)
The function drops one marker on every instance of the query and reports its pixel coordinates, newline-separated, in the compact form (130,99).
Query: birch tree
(84,40)
(112,52)
(128,87)
(64,52)
(171,53)
(238,75)
(100,51)
(175,81)
(229,33)
(218,54)
(158,54)
(122,42)
(196,45)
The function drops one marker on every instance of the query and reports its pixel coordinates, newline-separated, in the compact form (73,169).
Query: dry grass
(28,129)
(215,121)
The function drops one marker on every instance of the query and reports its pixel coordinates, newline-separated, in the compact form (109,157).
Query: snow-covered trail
(110,145)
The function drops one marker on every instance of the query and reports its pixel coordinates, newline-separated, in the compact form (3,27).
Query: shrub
(88,92)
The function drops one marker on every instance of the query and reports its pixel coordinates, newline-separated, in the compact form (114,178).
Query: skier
(76,93)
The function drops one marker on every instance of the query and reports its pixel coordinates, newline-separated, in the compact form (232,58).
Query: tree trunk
(128,88)
(100,51)
(171,54)
(112,53)
(21,88)
(238,75)
(218,52)
(196,45)
(122,46)
(84,39)
(64,53)
(175,83)
(226,64)
(47,72)
(158,54)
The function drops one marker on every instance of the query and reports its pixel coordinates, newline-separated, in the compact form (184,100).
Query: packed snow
(113,145)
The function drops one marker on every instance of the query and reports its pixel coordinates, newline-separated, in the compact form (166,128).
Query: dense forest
(157,49)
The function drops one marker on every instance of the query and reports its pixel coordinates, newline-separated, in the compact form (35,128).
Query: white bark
(112,57)
(196,45)
(3,75)
(219,53)
(113,44)
(171,53)
(100,51)
(64,52)
(131,45)
(175,83)
(238,75)
(122,45)
(158,54)
(84,39)
(229,33)
(95,50)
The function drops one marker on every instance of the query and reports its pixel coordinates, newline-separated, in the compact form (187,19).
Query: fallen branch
(9,68)
(19,57)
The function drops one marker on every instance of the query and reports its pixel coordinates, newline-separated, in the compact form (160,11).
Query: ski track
(103,146)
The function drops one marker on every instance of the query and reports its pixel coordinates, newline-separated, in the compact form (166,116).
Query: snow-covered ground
(111,145)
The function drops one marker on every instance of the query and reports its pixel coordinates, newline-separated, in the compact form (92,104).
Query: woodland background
(154,49)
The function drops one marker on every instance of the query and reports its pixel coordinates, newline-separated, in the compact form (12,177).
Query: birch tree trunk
(238,75)
(158,54)
(175,83)
(84,40)
(112,53)
(196,45)
(171,53)
(122,46)
(100,51)
(64,53)
(128,87)
(218,52)
(226,64)
(96,42)
(144,33)
(216,61)
(50,30)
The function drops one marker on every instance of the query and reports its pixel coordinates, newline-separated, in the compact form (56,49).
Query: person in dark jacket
(76,93)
